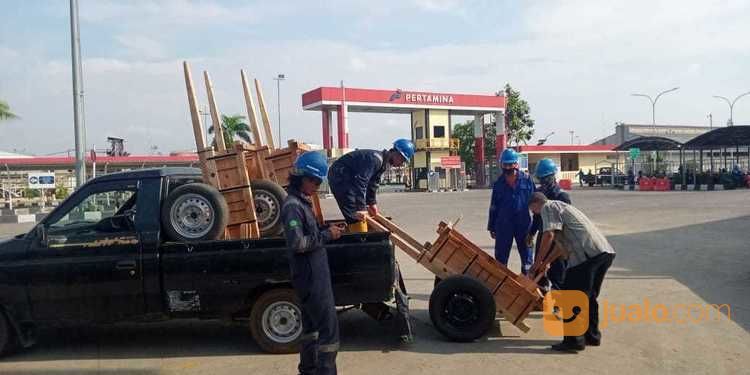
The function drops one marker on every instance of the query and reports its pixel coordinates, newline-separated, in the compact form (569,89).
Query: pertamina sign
(426,98)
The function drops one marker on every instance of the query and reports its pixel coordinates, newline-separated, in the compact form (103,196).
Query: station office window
(418,132)
(438,131)
(568,162)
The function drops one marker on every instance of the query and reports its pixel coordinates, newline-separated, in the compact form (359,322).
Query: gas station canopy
(430,122)
(650,144)
(399,101)
(730,136)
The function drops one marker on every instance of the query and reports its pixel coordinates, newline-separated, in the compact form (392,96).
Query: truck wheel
(268,197)
(461,308)
(194,212)
(276,321)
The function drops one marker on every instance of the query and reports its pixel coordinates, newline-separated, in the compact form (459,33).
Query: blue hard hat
(545,167)
(509,156)
(405,147)
(311,164)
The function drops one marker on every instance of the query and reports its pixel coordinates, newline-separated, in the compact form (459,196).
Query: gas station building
(430,118)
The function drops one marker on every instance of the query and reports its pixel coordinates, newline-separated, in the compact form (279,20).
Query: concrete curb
(25,218)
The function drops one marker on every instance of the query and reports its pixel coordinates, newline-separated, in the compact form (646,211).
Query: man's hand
(373,210)
(360,215)
(530,240)
(492,234)
(336,231)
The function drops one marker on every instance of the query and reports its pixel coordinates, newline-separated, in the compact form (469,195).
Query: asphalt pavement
(673,249)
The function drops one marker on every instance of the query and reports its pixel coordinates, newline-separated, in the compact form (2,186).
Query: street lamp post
(542,141)
(653,114)
(731,106)
(653,104)
(278,80)
(79,131)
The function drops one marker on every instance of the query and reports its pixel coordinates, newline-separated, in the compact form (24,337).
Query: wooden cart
(515,296)
(234,170)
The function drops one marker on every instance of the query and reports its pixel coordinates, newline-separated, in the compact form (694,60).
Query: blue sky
(576,62)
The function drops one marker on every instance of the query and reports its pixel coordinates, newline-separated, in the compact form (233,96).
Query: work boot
(592,342)
(568,347)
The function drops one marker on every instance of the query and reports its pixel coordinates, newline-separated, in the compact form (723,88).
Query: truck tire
(194,212)
(461,308)
(276,321)
(268,197)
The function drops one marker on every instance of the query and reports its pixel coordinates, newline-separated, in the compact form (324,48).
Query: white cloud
(178,12)
(437,5)
(140,46)
(576,63)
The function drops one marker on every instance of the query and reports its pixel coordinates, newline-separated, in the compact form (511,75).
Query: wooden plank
(215,116)
(248,192)
(228,172)
(519,324)
(539,268)
(397,240)
(256,169)
(396,229)
(251,115)
(200,144)
(317,210)
(377,227)
(264,116)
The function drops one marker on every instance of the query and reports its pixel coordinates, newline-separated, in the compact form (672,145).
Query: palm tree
(233,127)
(5,113)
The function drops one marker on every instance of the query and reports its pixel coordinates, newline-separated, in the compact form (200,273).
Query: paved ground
(673,248)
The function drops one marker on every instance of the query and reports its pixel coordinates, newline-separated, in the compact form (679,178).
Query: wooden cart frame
(232,169)
(453,254)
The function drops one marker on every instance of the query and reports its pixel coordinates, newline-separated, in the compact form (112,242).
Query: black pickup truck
(102,257)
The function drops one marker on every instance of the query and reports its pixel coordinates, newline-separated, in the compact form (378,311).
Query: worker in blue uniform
(308,262)
(355,177)
(545,173)
(354,180)
(509,216)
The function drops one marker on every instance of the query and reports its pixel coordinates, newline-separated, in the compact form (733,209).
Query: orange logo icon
(566,313)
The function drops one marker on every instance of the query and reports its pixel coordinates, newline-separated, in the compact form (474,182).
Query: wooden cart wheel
(461,308)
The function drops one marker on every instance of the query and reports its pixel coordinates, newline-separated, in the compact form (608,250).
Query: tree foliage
(519,123)
(5,113)
(233,128)
(465,133)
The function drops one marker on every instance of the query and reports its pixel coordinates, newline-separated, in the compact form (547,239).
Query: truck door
(88,266)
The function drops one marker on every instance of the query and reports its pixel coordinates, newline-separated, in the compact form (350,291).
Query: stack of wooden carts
(232,168)
(453,254)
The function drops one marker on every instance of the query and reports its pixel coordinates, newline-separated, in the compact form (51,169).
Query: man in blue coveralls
(354,180)
(308,262)
(509,216)
(355,177)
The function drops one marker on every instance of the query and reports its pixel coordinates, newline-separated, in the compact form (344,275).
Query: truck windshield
(96,207)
